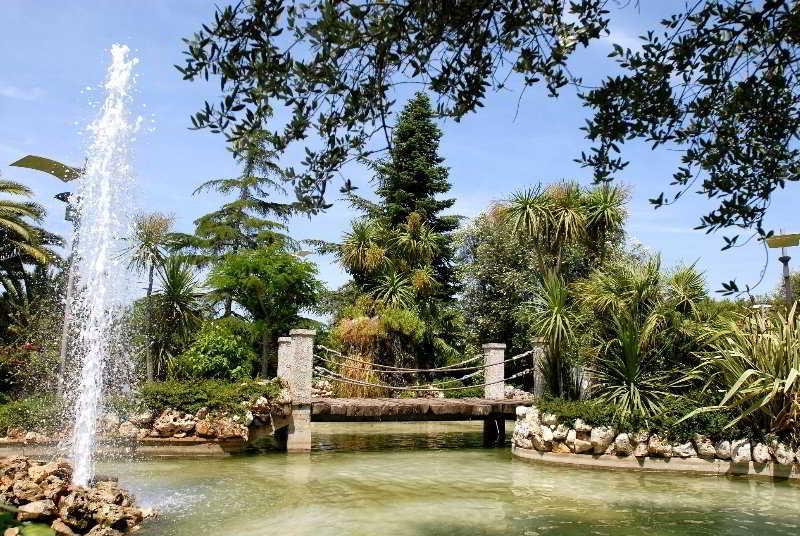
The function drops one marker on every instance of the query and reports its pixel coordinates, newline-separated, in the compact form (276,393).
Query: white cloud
(18,93)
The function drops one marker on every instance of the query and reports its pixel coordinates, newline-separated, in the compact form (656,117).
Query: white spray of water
(104,208)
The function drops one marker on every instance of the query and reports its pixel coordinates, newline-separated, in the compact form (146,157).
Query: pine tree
(248,221)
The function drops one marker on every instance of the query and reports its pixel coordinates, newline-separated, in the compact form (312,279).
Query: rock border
(539,436)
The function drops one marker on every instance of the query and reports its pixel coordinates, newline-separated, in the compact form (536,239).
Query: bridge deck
(412,409)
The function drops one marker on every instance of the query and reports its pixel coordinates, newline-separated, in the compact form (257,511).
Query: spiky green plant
(756,363)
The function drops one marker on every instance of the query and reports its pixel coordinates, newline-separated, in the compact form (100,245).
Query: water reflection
(372,480)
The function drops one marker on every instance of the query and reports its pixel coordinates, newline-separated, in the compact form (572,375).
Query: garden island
(417,268)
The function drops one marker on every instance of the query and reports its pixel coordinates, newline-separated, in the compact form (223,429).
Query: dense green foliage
(40,413)
(340,82)
(399,253)
(669,422)
(211,394)
(216,353)
(273,286)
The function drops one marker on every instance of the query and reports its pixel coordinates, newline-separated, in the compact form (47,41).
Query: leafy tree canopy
(334,66)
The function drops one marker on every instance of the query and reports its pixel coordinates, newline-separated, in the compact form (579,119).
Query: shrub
(217,353)
(212,394)
(42,414)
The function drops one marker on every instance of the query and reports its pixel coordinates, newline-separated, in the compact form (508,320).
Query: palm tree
(20,237)
(147,252)
(177,311)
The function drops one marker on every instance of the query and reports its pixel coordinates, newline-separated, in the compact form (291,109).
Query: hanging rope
(405,370)
(442,382)
(329,374)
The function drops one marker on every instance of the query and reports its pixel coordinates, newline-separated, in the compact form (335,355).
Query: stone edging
(679,465)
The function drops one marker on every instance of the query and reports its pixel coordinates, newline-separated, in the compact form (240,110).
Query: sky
(54,58)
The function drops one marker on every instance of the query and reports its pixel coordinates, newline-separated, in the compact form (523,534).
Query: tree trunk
(149,357)
(267,346)
(228,307)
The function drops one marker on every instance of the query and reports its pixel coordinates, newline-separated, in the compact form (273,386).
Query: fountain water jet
(104,210)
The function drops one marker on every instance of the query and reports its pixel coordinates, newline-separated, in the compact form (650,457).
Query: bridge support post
(494,427)
(298,376)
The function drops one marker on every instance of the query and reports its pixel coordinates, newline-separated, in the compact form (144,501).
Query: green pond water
(435,479)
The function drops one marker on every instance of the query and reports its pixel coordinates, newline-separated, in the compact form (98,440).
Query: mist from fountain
(104,208)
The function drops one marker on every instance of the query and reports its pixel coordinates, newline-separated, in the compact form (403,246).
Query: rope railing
(455,367)
(442,382)
(329,374)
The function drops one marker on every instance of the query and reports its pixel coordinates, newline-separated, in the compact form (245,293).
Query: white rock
(143,419)
(521,411)
(601,438)
(524,443)
(248,418)
(623,445)
(522,429)
(685,450)
(581,445)
(658,448)
(761,453)
(723,449)
(129,430)
(560,433)
(782,453)
(542,438)
(549,419)
(570,441)
(704,447)
(740,451)
(201,414)
(640,440)
(35,437)
(581,426)
(533,415)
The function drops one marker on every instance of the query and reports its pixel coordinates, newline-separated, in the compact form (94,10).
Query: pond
(434,479)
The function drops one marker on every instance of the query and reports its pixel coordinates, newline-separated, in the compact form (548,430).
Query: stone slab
(411,409)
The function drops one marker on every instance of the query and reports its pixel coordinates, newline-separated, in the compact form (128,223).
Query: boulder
(549,419)
(128,430)
(560,432)
(658,448)
(61,528)
(532,416)
(26,491)
(36,510)
(570,441)
(641,441)
(542,438)
(781,452)
(740,451)
(581,426)
(99,530)
(60,469)
(601,438)
(623,445)
(248,418)
(15,433)
(704,447)
(560,447)
(35,437)
(521,411)
(75,510)
(582,445)
(523,443)
(226,428)
(205,428)
(109,422)
(54,486)
(202,413)
(171,422)
(143,419)
(761,453)
(684,450)
(722,449)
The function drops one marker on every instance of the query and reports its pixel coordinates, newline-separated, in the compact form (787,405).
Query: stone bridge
(295,367)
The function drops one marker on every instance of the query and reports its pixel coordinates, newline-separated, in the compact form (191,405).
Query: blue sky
(55,55)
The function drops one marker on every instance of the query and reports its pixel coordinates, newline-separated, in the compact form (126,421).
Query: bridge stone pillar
(299,379)
(494,354)
(494,427)
(285,358)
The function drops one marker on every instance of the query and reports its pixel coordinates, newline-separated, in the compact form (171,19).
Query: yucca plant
(756,363)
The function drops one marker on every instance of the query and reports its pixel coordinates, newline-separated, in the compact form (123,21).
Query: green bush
(212,394)
(674,408)
(217,353)
(41,414)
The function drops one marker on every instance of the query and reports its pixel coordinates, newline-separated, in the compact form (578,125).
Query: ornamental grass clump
(756,364)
